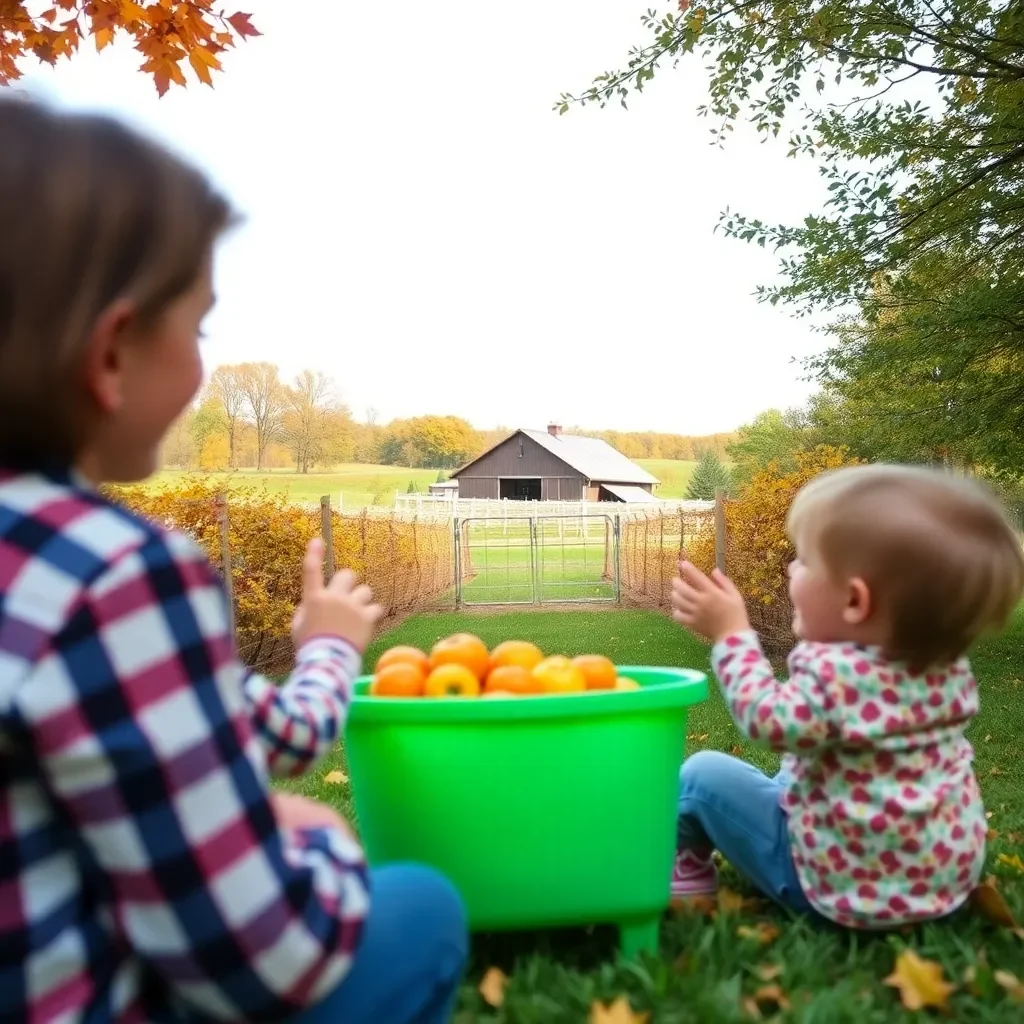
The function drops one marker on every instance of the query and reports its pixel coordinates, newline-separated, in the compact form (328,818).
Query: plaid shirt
(141,868)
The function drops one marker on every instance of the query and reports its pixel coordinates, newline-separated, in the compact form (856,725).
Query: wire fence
(256,541)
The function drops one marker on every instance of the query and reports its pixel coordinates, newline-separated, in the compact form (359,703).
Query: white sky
(424,228)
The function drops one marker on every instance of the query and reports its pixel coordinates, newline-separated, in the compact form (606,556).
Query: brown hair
(936,550)
(90,212)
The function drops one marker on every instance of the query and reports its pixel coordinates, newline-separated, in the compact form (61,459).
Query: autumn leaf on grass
(920,982)
(768,972)
(619,1012)
(1012,861)
(762,932)
(492,987)
(336,778)
(988,903)
(1012,984)
(703,905)
(730,902)
(768,999)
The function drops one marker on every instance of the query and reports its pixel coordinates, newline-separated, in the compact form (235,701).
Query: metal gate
(536,560)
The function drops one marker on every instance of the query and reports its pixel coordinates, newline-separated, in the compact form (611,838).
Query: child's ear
(858,602)
(104,355)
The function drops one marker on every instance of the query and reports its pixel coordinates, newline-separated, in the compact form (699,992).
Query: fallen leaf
(492,986)
(336,778)
(1012,861)
(768,972)
(619,1012)
(698,737)
(1013,985)
(920,982)
(704,905)
(736,750)
(1017,838)
(992,834)
(730,902)
(767,999)
(988,902)
(988,738)
(762,932)
(996,771)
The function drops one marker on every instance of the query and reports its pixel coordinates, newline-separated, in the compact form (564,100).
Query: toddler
(147,873)
(875,818)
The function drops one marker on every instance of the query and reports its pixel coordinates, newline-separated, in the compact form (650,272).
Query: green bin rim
(661,687)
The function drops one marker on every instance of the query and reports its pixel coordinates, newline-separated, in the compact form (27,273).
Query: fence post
(457,537)
(327,534)
(224,528)
(720,534)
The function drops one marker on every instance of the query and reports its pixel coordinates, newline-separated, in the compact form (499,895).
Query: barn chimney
(554,429)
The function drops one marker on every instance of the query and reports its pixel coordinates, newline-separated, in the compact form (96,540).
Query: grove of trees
(911,110)
(248,418)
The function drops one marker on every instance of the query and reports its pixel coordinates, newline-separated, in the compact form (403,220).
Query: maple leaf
(1011,983)
(920,982)
(492,986)
(619,1012)
(1012,861)
(104,37)
(762,932)
(704,905)
(242,25)
(730,902)
(767,999)
(336,778)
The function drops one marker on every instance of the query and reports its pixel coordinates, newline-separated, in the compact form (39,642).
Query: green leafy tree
(911,109)
(709,476)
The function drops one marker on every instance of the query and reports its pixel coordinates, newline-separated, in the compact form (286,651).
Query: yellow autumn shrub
(758,550)
(405,561)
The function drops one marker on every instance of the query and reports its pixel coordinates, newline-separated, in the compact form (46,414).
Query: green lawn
(674,475)
(707,967)
(356,484)
(353,484)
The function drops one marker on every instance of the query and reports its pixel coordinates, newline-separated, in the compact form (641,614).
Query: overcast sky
(424,228)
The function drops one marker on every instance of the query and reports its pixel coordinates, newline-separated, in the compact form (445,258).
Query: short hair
(936,549)
(90,212)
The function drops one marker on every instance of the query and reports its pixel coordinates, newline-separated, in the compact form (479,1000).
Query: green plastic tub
(544,811)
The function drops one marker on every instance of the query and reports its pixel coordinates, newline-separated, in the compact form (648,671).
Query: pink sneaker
(693,876)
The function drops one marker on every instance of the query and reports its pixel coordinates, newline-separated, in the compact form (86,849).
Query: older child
(146,871)
(875,818)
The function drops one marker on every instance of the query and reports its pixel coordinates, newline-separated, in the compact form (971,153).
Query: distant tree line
(247,417)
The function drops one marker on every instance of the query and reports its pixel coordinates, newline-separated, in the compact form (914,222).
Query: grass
(356,484)
(706,968)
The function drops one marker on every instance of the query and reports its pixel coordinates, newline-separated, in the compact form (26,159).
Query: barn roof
(590,456)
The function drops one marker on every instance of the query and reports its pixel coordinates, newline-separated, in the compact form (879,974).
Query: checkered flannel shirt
(141,868)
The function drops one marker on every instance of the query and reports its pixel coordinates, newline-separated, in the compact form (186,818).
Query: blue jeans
(731,806)
(410,959)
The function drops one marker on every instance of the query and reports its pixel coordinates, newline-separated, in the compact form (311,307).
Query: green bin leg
(639,936)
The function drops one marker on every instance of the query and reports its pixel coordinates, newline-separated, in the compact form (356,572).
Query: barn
(548,465)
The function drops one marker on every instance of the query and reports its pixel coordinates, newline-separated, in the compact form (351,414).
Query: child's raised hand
(339,608)
(711,606)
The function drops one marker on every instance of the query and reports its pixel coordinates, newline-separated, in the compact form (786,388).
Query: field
(709,965)
(358,484)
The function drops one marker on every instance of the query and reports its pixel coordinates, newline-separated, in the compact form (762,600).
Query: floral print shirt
(885,817)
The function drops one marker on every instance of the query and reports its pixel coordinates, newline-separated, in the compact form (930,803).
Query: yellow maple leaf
(619,1012)
(1012,861)
(920,982)
(767,999)
(336,778)
(492,986)
(762,932)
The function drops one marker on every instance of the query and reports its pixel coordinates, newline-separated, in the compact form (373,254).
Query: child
(146,871)
(875,818)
